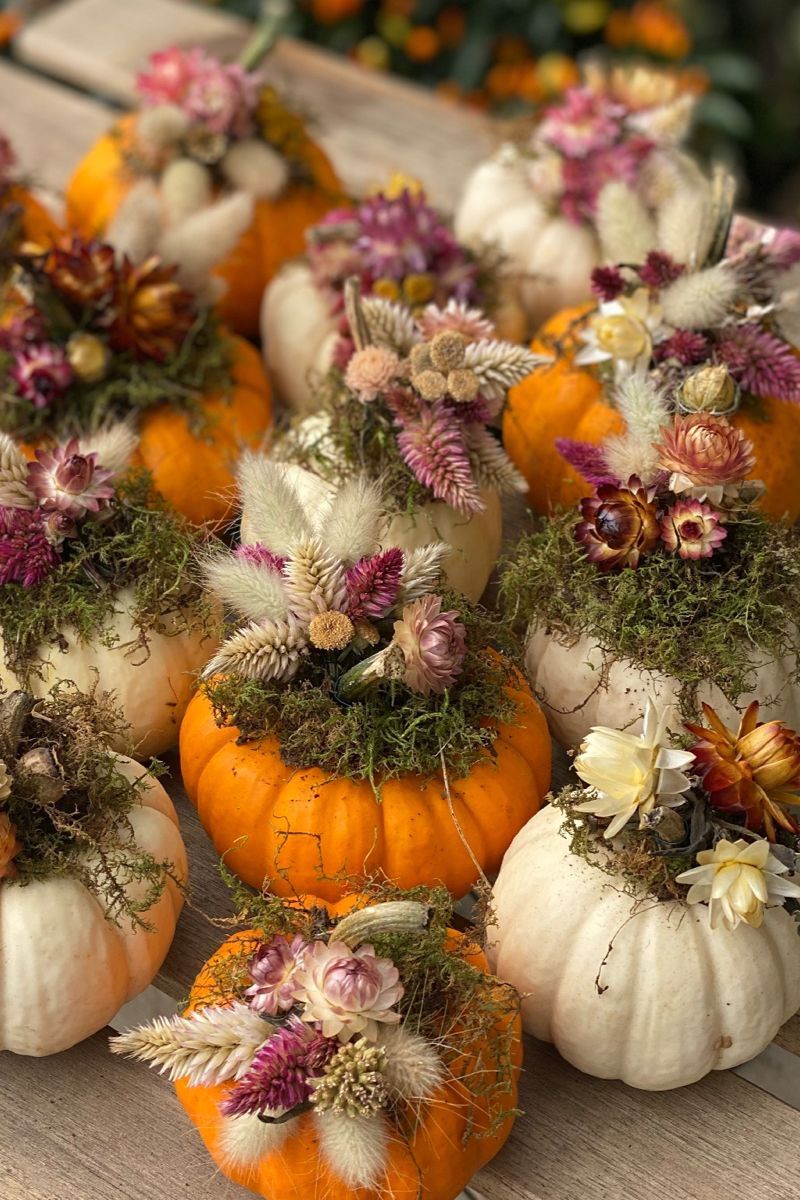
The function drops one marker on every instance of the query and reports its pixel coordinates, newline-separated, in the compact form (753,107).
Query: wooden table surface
(85,1125)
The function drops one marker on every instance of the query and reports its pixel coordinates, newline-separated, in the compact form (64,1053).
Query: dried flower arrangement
(350,673)
(670,578)
(345,1046)
(539,198)
(93,338)
(688,856)
(212,169)
(96,576)
(409,402)
(90,855)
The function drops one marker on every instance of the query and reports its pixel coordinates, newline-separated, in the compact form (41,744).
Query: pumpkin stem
(388,663)
(392,916)
(43,772)
(14,712)
(274,14)
(355,313)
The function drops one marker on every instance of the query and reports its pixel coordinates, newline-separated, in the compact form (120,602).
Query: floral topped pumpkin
(665,579)
(675,872)
(92,868)
(22,217)
(539,198)
(357,1046)
(710,316)
(355,719)
(95,582)
(409,401)
(214,163)
(93,337)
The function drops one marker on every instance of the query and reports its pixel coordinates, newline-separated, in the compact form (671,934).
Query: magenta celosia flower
(67,481)
(584,178)
(373,584)
(456,315)
(607,283)
(347,991)
(371,371)
(432,445)
(280,1076)
(759,362)
(685,346)
(169,75)
(41,373)
(587,459)
(433,643)
(659,269)
(273,968)
(263,557)
(27,555)
(692,529)
(583,122)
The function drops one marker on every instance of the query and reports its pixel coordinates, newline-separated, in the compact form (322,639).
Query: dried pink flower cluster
(219,97)
(434,644)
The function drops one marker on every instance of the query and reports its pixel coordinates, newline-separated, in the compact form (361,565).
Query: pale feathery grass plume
(205,1048)
(701,299)
(246,1139)
(627,455)
(186,188)
(668,124)
(413,1069)
(355,1147)
(254,167)
(314,579)
(624,226)
(422,569)
(198,243)
(136,228)
(686,223)
(113,444)
(163,126)
(389,324)
(499,365)
(350,525)
(250,588)
(266,651)
(14,491)
(644,409)
(491,464)
(276,515)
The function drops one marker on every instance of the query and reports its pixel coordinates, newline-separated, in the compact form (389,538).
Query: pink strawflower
(433,643)
(222,98)
(347,991)
(608,283)
(659,269)
(685,346)
(457,315)
(171,71)
(282,1070)
(41,373)
(67,481)
(703,450)
(692,529)
(432,445)
(587,459)
(27,556)
(373,584)
(371,371)
(259,554)
(583,122)
(273,969)
(760,363)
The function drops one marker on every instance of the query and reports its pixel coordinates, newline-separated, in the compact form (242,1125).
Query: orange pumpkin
(37,224)
(435,1163)
(568,401)
(297,825)
(194,470)
(102,180)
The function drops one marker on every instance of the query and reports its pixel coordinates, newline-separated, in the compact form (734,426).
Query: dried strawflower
(84,272)
(10,847)
(348,991)
(371,371)
(692,529)
(280,1076)
(738,880)
(622,330)
(41,373)
(618,525)
(27,555)
(704,454)
(354,1083)
(433,644)
(64,480)
(273,968)
(152,312)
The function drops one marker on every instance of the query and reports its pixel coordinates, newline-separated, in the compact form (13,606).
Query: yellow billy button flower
(631,773)
(738,880)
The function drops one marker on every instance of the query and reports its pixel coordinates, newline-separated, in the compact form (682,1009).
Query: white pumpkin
(475,540)
(152,684)
(64,968)
(298,334)
(554,256)
(577,692)
(638,990)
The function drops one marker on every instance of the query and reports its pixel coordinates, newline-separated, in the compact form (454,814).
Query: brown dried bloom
(330,631)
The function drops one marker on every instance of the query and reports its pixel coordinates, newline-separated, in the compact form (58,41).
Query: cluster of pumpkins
(656,1028)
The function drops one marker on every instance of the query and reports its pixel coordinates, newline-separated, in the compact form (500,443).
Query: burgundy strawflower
(685,346)
(619,525)
(279,1078)
(587,459)
(760,363)
(373,584)
(659,269)
(259,554)
(26,554)
(607,283)
(432,445)
(41,373)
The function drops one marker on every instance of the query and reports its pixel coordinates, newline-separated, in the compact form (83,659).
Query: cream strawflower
(631,772)
(346,991)
(622,332)
(738,880)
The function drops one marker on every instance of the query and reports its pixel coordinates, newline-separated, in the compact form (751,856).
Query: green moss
(391,731)
(697,621)
(143,545)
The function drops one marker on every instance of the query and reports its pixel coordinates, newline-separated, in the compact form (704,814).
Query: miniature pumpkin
(38,226)
(642,991)
(95,924)
(295,825)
